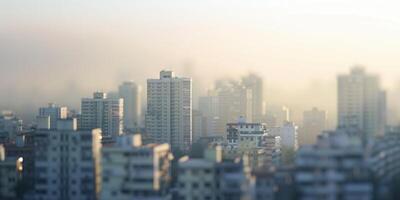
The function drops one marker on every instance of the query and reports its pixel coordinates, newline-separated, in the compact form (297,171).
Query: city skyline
(294,46)
(199,100)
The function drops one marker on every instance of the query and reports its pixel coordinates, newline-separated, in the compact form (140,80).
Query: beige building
(135,171)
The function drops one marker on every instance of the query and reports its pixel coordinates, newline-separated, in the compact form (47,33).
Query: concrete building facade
(169,110)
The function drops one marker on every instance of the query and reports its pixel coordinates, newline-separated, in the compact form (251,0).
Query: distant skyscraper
(102,112)
(314,122)
(208,106)
(199,125)
(255,84)
(130,92)
(288,134)
(169,110)
(277,116)
(234,101)
(54,112)
(361,102)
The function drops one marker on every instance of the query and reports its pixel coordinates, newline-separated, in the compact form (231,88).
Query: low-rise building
(212,178)
(333,168)
(67,162)
(135,171)
(253,140)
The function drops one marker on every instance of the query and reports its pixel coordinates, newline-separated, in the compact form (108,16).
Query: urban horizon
(199,100)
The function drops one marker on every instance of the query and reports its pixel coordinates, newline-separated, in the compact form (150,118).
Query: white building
(135,171)
(333,168)
(130,92)
(67,163)
(361,102)
(102,112)
(252,140)
(169,110)
(54,112)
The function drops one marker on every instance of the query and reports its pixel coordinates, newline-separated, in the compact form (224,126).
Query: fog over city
(61,51)
(199,99)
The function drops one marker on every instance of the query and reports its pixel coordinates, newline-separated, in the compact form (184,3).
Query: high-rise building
(130,92)
(234,101)
(54,112)
(102,112)
(169,110)
(255,84)
(314,122)
(135,171)
(361,103)
(67,164)
(209,108)
(199,126)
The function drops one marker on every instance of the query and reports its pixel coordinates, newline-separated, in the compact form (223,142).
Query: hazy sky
(53,50)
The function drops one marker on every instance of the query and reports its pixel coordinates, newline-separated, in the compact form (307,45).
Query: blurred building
(288,134)
(131,93)
(277,116)
(314,122)
(54,112)
(384,162)
(361,103)
(333,168)
(10,169)
(169,110)
(135,171)
(212,178)
(273,183)
(23,148)
(102,112)
(234,101)
(10,126)
(67,163)
(255,84)
(199,125)
(209,108)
